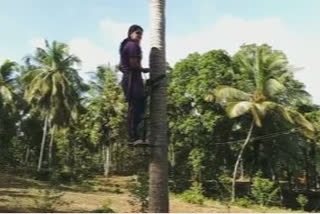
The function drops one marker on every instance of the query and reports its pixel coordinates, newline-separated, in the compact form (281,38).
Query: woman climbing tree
(132,82)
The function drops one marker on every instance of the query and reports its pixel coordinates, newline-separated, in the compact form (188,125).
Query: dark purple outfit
(132,84)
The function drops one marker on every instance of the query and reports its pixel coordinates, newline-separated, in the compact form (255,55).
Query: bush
(105,208)
(243,202)
(194,195)
(66,174)
(302,200)
(226,183)
(264,191)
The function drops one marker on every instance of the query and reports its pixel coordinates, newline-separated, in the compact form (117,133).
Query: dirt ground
(27,195)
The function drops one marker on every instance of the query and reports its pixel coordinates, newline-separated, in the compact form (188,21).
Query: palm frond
(6,94)
(284,112)
(273,87)
(236,109)
(299,119)
(225,94)
(6,69)
(276,63)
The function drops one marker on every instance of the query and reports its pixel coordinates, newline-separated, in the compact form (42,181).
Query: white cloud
(114,31)
(90,54)
(230,33)
(1,59)
(37,42)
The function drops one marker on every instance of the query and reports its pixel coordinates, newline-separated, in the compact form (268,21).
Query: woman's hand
(119,67)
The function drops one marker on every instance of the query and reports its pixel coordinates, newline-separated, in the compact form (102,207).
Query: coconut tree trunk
(51,146)
(158,168)
(45,127)
(107,160)
(238,161)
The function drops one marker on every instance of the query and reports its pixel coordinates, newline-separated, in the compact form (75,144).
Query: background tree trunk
(233,195)
(158,168)
(51,146)
(43,142)
(107,159)
(115,157)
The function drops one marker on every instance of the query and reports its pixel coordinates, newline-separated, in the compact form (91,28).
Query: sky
(94,28)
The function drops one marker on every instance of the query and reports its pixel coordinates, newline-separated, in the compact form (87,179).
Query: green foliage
(267,71)
(192,120)
(226,183)
(257,81)
(302,200)
(105,208)
(194,195)
(264,191)
(139,192)
(9,142)
(66,174)
(243,202)
(111,108)
(196,157)
(107,111)
(7,83)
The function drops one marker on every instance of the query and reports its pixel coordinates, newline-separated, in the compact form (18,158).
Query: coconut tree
(53,87)
(6,81)
(158,168)
(267,72)
(7,105)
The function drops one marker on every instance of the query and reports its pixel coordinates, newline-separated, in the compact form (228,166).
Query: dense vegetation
(242,120)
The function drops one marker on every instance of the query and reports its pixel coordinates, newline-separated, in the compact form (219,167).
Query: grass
(19,194)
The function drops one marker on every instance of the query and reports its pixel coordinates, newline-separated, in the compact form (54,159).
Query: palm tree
(269,71)
(53,87)
(158,169)
(107,108)
(6,81)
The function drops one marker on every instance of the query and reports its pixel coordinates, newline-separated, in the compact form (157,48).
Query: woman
(132,82)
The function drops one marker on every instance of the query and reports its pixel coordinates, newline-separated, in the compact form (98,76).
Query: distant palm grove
(241,128)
